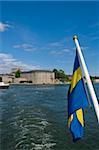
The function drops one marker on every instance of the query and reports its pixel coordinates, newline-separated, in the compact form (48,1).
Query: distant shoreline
(58,84)
(95,81)
(40,84)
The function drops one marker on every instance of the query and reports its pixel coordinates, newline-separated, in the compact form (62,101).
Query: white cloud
(60,52)
(4,26)
(82,47)
(56,44)
(66,50)
(36,46)
(54,52)
(26,47)
(58,47)
(7,62)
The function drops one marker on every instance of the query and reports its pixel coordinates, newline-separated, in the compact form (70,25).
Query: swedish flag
(77,101)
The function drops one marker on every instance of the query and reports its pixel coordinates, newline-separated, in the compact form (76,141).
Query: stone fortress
(33,76)
(39,76)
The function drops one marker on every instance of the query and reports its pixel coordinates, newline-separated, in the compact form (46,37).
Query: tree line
(61,75)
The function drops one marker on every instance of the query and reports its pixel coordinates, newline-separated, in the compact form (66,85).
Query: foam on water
(47,146)
(29,133)
(34,118)
(32,130)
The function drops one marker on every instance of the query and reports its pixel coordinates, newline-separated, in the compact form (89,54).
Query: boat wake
(33,134)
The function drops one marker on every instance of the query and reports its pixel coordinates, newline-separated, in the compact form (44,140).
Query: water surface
(35,118)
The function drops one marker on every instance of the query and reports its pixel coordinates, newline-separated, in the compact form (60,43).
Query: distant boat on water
(3,85)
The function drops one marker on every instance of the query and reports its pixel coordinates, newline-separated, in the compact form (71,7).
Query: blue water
(35,118)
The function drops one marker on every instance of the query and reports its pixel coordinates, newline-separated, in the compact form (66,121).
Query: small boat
(3,85)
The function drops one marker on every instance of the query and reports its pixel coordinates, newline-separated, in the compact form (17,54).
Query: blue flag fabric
(77,101)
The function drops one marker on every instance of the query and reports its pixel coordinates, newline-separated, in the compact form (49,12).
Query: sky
(39,34)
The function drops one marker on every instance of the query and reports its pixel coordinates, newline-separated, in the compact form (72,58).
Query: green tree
(0,79)
(56,73)
(17,73)
(60,75)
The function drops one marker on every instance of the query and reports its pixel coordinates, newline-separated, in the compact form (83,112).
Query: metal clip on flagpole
(88,80)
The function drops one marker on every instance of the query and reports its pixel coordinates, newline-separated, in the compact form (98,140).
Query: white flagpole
(86,92)
(88,80)
(85,83)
